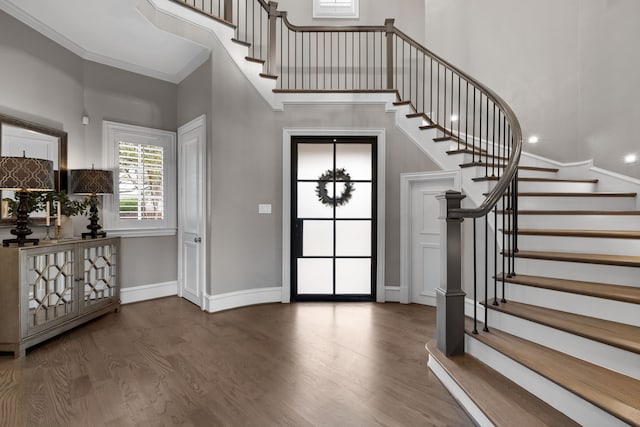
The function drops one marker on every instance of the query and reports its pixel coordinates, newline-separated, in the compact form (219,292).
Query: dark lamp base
(94,235)
(20,241)
(21,230)
(93,222)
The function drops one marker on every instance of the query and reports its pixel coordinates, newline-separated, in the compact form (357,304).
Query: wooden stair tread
(608,390)
(240,42)
(451,138)
(416,115)
(476,152)
(268,76)
(256,60)
(400,103)
(575,194)
(503,165)
(615,334)
(619,260)
(527,179)
(630,294)
(611,234)
(573,212)
(493,392)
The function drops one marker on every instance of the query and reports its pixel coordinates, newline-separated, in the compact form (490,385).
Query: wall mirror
(38,141)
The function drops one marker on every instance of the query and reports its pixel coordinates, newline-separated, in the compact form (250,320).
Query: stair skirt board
(458,393)
(585,305)
(600,273)
(558,397)
(609,357)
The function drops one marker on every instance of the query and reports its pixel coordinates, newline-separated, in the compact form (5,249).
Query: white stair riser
(481,171)
(609,357)
(581,203)
(579,244)
(581,222)
(570,404)
(599,273)
(615,311)
(556,186)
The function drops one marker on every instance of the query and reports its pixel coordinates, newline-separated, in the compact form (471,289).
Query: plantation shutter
(141,181)
(335,8)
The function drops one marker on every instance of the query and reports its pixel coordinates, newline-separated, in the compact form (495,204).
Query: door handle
(198,239)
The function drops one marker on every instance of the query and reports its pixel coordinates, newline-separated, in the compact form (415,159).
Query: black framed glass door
(333,215)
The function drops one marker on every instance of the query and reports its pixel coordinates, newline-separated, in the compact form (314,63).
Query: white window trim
(351,11)
(112,133)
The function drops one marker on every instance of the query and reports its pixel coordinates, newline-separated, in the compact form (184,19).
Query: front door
(333,218)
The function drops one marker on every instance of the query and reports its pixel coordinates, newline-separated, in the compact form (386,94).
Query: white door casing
(192,195)
(420,233)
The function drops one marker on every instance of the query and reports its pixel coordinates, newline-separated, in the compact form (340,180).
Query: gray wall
(409,15)
(45,83)
(245,169)
(567,68)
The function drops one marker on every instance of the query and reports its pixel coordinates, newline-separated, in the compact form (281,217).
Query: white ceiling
(111,32)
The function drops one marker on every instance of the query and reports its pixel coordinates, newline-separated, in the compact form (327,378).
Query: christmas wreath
(340,175)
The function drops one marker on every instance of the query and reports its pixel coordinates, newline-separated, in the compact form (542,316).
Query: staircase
(556,343)
(569,329)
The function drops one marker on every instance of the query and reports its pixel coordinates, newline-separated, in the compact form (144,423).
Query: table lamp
(23,175)
(92,182)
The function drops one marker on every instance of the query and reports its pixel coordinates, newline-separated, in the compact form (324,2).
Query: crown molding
(27,19)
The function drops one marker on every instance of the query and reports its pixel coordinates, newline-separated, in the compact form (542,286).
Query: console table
(51,288)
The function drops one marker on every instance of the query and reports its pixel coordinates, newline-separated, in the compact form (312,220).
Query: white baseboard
(243,298)
(392,293)
(147,292)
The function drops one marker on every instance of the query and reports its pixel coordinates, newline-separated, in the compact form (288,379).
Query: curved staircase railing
(469,116)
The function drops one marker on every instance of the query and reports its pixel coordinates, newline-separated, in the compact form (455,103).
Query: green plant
(38,202)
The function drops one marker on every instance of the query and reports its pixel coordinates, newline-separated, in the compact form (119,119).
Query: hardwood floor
(165,362)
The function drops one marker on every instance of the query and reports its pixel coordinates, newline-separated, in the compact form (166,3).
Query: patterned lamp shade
(25,173)
(91,181)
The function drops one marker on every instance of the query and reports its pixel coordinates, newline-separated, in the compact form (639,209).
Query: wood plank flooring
(165,363)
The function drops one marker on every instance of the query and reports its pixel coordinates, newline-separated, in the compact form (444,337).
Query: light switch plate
(264,209)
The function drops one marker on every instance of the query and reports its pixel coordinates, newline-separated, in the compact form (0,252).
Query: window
(143,161)
(335,8)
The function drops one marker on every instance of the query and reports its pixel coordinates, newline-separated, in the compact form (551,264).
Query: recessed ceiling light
(533,139)
(631,158)
(454,118)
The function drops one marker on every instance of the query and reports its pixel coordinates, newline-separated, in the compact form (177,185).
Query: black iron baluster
(486,271)
(475,279)
(495,256)
(473,128)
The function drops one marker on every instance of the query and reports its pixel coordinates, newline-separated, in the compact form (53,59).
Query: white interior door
(191,210)
(425,243)
(421,234)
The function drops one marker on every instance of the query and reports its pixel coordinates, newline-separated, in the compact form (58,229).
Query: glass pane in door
(353,276)
(315,276)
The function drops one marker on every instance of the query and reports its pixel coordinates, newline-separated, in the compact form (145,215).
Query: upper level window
(335,9)
(144,199)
